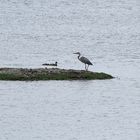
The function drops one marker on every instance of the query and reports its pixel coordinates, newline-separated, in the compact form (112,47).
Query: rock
(50,74)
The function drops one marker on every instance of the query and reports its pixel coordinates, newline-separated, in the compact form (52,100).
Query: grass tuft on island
(24,74)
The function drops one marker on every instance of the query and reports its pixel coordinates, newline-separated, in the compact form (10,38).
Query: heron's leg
(85,67)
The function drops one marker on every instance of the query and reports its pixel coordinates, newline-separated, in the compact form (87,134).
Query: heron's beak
(74,53)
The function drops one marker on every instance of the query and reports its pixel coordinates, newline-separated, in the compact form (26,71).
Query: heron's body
(84,60)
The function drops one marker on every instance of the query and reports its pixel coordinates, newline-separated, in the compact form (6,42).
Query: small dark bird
(84,60)
(46,64)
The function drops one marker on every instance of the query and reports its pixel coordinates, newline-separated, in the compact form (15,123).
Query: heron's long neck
(79,56)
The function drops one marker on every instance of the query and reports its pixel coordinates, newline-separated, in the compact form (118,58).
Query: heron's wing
(85,60)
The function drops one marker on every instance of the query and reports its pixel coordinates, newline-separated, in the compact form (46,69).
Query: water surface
(36,32)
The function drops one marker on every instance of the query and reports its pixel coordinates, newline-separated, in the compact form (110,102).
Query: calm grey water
(36,32)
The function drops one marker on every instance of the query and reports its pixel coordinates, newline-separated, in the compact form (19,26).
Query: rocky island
(25,74)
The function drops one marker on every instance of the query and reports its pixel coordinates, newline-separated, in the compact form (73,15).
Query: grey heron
(84,60)
(46,64)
